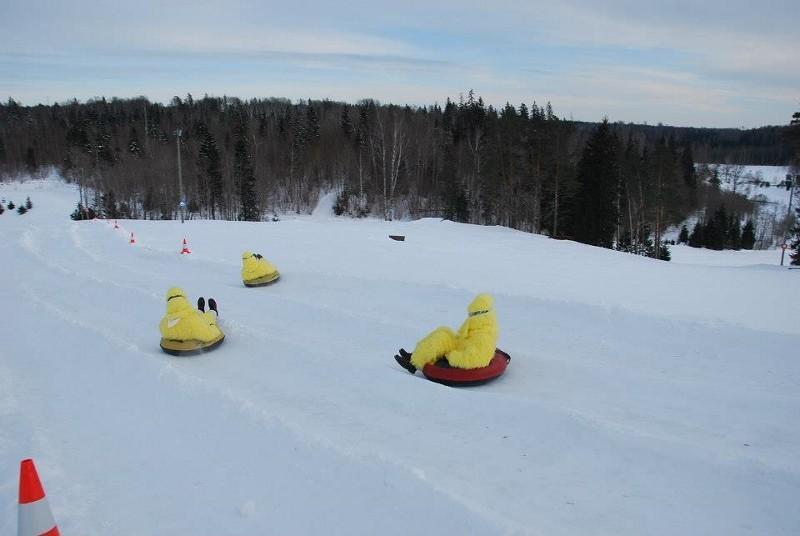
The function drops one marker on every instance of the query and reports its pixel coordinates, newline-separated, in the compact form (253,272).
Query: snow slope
(642,398)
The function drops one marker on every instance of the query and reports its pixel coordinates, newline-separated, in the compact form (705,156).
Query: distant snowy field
(643,397)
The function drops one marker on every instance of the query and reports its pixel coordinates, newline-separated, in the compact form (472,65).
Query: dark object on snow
(186,348)
(442,372)
(399,238)
(212,304)
(201,304)
(404,360)
(263,281)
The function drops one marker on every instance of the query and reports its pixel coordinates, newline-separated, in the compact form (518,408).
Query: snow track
(612,419)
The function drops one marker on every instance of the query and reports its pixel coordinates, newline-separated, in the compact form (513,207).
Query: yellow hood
(182,322)
(255,268)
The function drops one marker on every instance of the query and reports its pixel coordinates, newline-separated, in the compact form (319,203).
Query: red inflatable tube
(442,372)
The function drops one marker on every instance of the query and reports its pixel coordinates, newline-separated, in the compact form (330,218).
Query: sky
(710,63)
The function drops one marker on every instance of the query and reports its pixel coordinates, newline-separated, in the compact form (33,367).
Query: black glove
(405,362)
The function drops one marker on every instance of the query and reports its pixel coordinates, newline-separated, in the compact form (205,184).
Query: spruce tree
(687,167)
(2,209)
(22,210)
(697,238)
(11,205)
(134,148)
(596,213)
(312,124)
(30,160)
(28,204)
(243,173)
(110,205)
(735,234)
(683,237)
(346,123)
(716,231)
(664,253)
(795,247)
(2,151)
(748,235)
(209,160)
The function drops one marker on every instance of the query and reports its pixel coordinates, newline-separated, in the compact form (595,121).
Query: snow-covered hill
(643,397)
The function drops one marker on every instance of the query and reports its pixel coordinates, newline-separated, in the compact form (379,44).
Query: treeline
(763,146)
(720,231)
(518,166)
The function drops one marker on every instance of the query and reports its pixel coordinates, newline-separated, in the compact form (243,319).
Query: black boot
(201,304)
(405,362)
(212,304)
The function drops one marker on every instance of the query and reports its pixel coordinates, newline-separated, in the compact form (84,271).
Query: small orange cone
(185,249)
(133,240)
(35,517)
(115,225)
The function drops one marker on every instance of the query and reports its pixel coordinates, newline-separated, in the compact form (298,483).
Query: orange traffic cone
(185,249)
(35,517)
(133,240)
(115,225)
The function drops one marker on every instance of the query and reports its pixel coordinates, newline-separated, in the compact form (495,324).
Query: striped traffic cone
(35,517)
(185,249)
(133,240)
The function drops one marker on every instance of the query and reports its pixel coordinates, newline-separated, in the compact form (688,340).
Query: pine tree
(664,253)
(687,167)
(110,205)
(697,238)
(30,160)
(748,235)
(2,209)
(346,123)
(28,204)
(312,124)
(11,205)
(243,173)
(596,212)
(2,151)
(210,165)
(22,210)
(714,180)
(683,237)
(795,245)
(735,233)
(134,148)
(716,230)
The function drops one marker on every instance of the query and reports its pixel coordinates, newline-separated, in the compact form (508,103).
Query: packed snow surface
(643,397)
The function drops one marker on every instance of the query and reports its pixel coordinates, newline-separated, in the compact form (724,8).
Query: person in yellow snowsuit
(186,329)
(473,346)
(256,270)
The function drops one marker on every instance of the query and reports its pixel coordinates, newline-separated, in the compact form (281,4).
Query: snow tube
(442,372)
(181,348)
(262,281)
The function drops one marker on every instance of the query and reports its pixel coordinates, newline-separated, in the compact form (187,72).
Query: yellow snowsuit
(185,323)
(257,270)
(471,347)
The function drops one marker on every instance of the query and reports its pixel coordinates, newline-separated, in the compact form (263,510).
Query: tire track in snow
(247,405)
(249,408)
